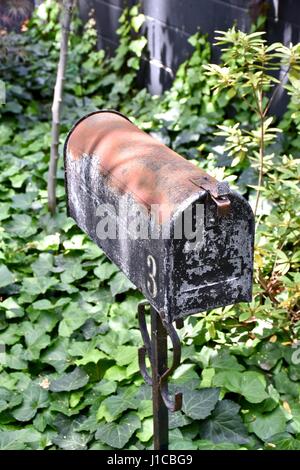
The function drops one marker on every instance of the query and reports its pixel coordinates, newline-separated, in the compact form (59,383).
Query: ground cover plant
(69,376)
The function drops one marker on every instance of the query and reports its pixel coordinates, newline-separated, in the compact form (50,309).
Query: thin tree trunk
(261,152)
(66,15)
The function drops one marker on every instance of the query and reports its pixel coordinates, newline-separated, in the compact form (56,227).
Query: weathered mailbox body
(112,166)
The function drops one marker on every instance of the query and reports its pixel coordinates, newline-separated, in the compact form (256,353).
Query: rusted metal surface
(109,160)
(133,162)
(218,192)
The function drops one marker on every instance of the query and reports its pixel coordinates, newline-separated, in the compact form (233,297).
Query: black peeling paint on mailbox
(111,165)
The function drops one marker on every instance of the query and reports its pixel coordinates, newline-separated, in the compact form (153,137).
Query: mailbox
(184,239)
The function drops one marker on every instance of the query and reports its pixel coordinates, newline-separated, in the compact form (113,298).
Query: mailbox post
(184,239)
(159,366)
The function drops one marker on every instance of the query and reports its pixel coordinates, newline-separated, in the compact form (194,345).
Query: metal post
(159,362)
(156,349)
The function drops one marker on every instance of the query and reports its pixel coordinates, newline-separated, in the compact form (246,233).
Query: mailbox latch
(218,192)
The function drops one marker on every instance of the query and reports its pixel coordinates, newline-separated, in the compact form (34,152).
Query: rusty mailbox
(184,239)
(114,171)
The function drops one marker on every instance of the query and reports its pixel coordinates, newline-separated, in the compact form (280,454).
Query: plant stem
(67,7)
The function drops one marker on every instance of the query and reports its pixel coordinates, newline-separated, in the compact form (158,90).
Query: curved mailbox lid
(138,164)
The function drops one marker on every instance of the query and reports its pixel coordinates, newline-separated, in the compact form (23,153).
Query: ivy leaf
(93,356)
(6,277)
(285,385)
(9,399)
(177,420)
(80,348)
(43,304)
(120,283)
(267,357)
(231,380)
(186,376)
(253,386)
(13,310)
(22,226)
(137,45)
(4,214)
(267,424)
(112,407)
(125,355)
(34,397)
(145,392)
(224,360)
(38,285)
(180,442)
(56,355)
(106,388)
(49,242)
(43,265)
(250,384)
(283,441)
(96,394)
(75,243)
(145,409)
(10,440)
(146,432)
(70,381)
(17,440)
(61,404)
(71,275)
(15,358)
(294,372)
(115,373)
(5,134)
(72,441)
(73,318)
(198,404)
(105,271)
(36,340)
(225,425)
(23,201)
(90,424)
(137,22)
(117,435)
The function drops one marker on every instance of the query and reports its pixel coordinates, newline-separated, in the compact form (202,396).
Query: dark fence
(170,23)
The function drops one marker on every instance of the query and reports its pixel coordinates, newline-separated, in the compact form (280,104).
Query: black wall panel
(170,23)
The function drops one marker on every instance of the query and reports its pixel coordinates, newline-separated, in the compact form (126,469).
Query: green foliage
(69,374)
(199,404)
(247,70)
(225,425)
(116,435)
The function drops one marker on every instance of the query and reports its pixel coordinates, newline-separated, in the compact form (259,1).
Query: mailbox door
(218,271)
